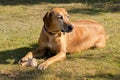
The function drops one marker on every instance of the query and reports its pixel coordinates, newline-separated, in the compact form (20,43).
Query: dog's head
(58,20)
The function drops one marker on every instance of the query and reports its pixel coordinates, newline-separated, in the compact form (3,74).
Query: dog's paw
(43,66)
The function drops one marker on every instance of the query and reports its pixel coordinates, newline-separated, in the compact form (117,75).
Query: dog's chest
(53,43)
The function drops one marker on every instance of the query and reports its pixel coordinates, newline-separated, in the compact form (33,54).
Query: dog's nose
(70,27)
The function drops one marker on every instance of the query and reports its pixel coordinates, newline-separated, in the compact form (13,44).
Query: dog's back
(85,35)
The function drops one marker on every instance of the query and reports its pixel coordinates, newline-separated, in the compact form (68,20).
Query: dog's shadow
(13,56)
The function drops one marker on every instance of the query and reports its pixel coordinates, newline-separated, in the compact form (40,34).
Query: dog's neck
(50,32)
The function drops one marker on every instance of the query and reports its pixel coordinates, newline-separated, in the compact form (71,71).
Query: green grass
(20,26)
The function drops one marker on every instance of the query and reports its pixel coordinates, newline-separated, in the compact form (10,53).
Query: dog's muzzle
(69,28)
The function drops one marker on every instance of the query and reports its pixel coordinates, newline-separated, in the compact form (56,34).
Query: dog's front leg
(59,57)
(30,55)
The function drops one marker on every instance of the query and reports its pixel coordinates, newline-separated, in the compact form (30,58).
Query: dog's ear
(65,10)
(47,18)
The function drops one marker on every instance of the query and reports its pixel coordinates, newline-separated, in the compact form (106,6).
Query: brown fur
(85,34)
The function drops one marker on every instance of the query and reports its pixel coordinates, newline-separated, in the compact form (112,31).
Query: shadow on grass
(105,76)
(90,55)
(48,74)
(99,75)
(15,54)
(31,2)
(88,11)
(35,74)
(94,11)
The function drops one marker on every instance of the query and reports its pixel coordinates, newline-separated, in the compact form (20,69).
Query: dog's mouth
(68,29)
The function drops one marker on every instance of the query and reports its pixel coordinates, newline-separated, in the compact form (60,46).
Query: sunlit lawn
(20,26)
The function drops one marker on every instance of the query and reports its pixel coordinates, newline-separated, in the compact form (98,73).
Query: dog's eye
(68,17)
(60,17)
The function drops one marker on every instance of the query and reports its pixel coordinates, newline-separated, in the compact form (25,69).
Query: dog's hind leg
(101,42)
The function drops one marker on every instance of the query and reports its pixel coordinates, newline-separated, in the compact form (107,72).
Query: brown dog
(60,36)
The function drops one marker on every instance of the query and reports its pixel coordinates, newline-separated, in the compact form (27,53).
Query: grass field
(20,26)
